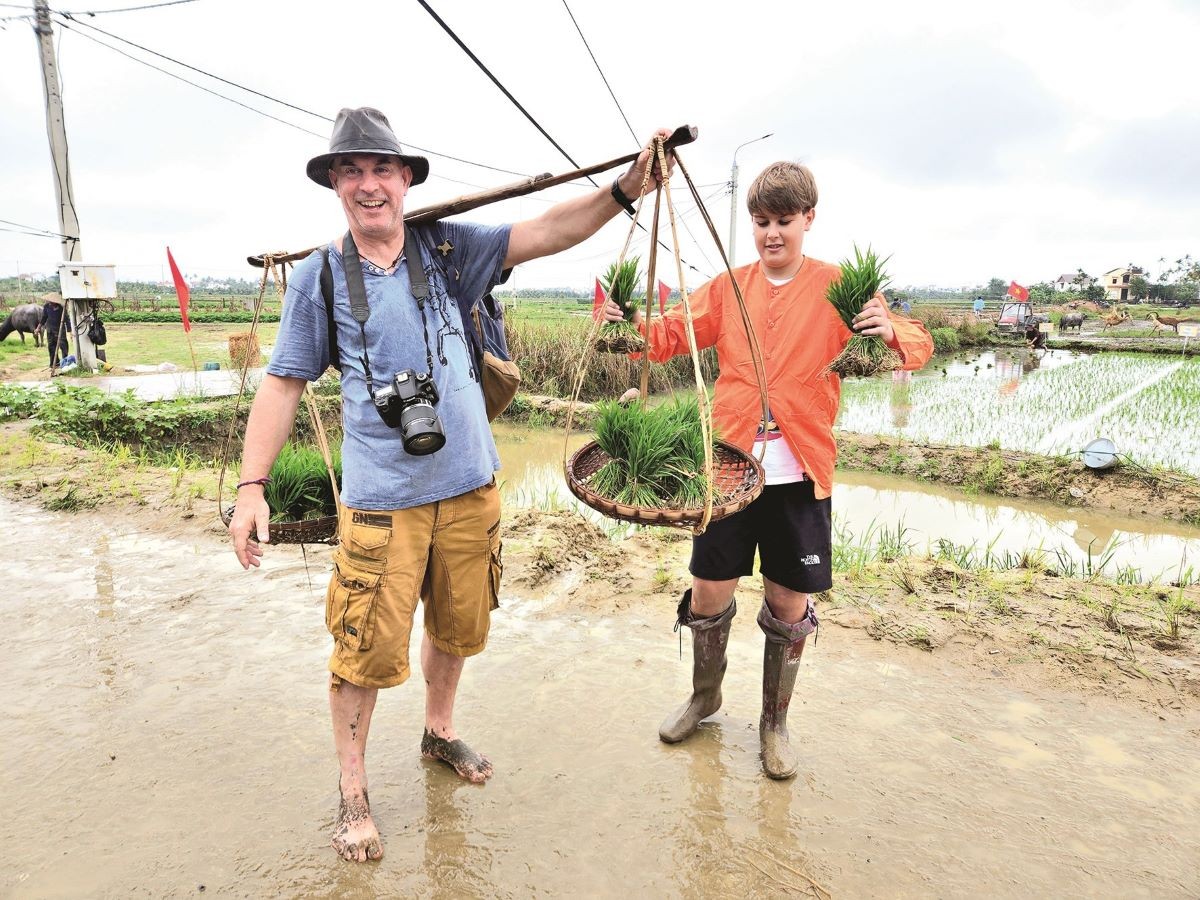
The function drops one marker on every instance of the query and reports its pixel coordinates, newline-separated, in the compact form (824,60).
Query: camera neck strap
(357,288)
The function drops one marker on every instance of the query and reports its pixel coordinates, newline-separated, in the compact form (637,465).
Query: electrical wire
(496,81)
(242,87)
(36,234)
(101,12)
(603,78)
(517,104)
(186,81)
(30,229)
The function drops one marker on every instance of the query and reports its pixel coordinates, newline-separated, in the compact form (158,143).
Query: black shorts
(792,531)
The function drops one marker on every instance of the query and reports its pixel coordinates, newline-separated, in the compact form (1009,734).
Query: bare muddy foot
(457,755)
(355,837)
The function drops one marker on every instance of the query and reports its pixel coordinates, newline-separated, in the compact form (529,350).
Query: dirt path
(175,708)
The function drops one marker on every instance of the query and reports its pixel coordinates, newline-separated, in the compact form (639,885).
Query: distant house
(1116,283)
(1067,282)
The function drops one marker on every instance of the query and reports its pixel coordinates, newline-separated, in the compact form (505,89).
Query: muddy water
(165,729)
(532,475)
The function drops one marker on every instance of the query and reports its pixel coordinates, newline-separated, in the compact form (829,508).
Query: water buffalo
(23,319)
(1071,320)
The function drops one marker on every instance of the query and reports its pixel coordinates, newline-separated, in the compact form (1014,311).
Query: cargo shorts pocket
(350,603)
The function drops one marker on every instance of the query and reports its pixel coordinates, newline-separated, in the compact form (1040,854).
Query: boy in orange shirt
(790,524)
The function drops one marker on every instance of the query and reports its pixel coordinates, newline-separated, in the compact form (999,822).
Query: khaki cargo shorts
(447,554)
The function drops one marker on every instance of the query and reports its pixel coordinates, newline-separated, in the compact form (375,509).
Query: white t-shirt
(779,463)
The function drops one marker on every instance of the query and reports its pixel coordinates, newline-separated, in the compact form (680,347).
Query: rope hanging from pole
(275,267)
(664,191)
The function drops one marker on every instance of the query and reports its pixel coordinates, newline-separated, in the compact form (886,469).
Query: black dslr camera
(407,403)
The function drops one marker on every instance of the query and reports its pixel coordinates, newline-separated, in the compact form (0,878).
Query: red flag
(181,289)
(598,303)
(663,293)
(1017,292)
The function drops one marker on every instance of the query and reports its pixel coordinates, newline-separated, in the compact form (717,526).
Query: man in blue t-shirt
(418,519)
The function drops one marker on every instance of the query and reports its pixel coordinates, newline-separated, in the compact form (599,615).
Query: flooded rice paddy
(1051,402)
(867,505)
(178,711)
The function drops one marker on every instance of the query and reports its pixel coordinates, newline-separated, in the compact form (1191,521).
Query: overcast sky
(1018,140)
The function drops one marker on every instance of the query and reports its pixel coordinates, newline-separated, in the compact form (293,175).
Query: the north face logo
(812,560)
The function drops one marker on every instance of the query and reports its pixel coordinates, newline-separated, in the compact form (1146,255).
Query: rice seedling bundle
(620,283)
(299,488)
(859,281)
(656,455)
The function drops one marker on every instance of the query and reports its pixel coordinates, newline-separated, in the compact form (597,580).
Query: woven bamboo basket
(737,480)
(321,530)
(244,351)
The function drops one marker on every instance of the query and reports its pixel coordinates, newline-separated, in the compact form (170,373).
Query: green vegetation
(94,417)
(196,317)
(945,340)
(299,488)
(657,454)
(549,353)
(620,283)
(18,402)
(860,280)
(146,344)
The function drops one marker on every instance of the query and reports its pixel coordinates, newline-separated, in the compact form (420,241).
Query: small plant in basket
(656,455)
(299,488)
(620,283)
(859,282)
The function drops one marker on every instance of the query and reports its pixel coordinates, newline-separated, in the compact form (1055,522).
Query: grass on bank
(147,344)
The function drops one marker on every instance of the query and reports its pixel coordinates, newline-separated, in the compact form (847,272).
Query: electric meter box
(78,281)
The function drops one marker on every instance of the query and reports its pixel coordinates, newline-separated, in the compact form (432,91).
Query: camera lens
(420,429)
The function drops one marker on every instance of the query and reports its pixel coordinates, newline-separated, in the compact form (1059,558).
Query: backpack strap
(335,359)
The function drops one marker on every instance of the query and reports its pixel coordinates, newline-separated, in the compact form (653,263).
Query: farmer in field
(55,326)
(418,520)
(790,524)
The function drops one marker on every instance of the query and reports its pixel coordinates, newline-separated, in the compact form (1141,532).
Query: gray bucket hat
(364,130)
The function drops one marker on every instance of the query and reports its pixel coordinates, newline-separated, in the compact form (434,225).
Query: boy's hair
(782,188)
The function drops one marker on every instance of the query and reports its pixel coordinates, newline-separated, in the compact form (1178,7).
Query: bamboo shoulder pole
(684,134)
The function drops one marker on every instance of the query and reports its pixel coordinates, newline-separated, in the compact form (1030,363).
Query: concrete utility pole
(68,222)
(733,199)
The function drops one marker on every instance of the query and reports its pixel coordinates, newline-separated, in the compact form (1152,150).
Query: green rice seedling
(852,554)
(656,455)
(894,545)
(961,555)
(860,280)
(905,580)
(620,282)
(1174,606)
(299,487)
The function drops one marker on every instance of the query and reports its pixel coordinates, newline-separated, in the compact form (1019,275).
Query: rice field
(1149,406)
(876,514)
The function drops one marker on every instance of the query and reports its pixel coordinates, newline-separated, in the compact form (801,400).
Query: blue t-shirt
(377,473)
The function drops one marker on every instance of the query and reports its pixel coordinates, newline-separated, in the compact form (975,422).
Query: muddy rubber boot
(710,637)
(781,661)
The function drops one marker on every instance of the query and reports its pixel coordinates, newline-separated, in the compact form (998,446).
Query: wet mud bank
(178,704)
(1126,488)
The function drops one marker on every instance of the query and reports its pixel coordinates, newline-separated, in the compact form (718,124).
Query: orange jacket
(799,334)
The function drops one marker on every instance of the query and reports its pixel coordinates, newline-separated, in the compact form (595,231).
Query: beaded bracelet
(264,480)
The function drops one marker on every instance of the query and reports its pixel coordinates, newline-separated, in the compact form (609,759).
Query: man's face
(372,190)
(780,240)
